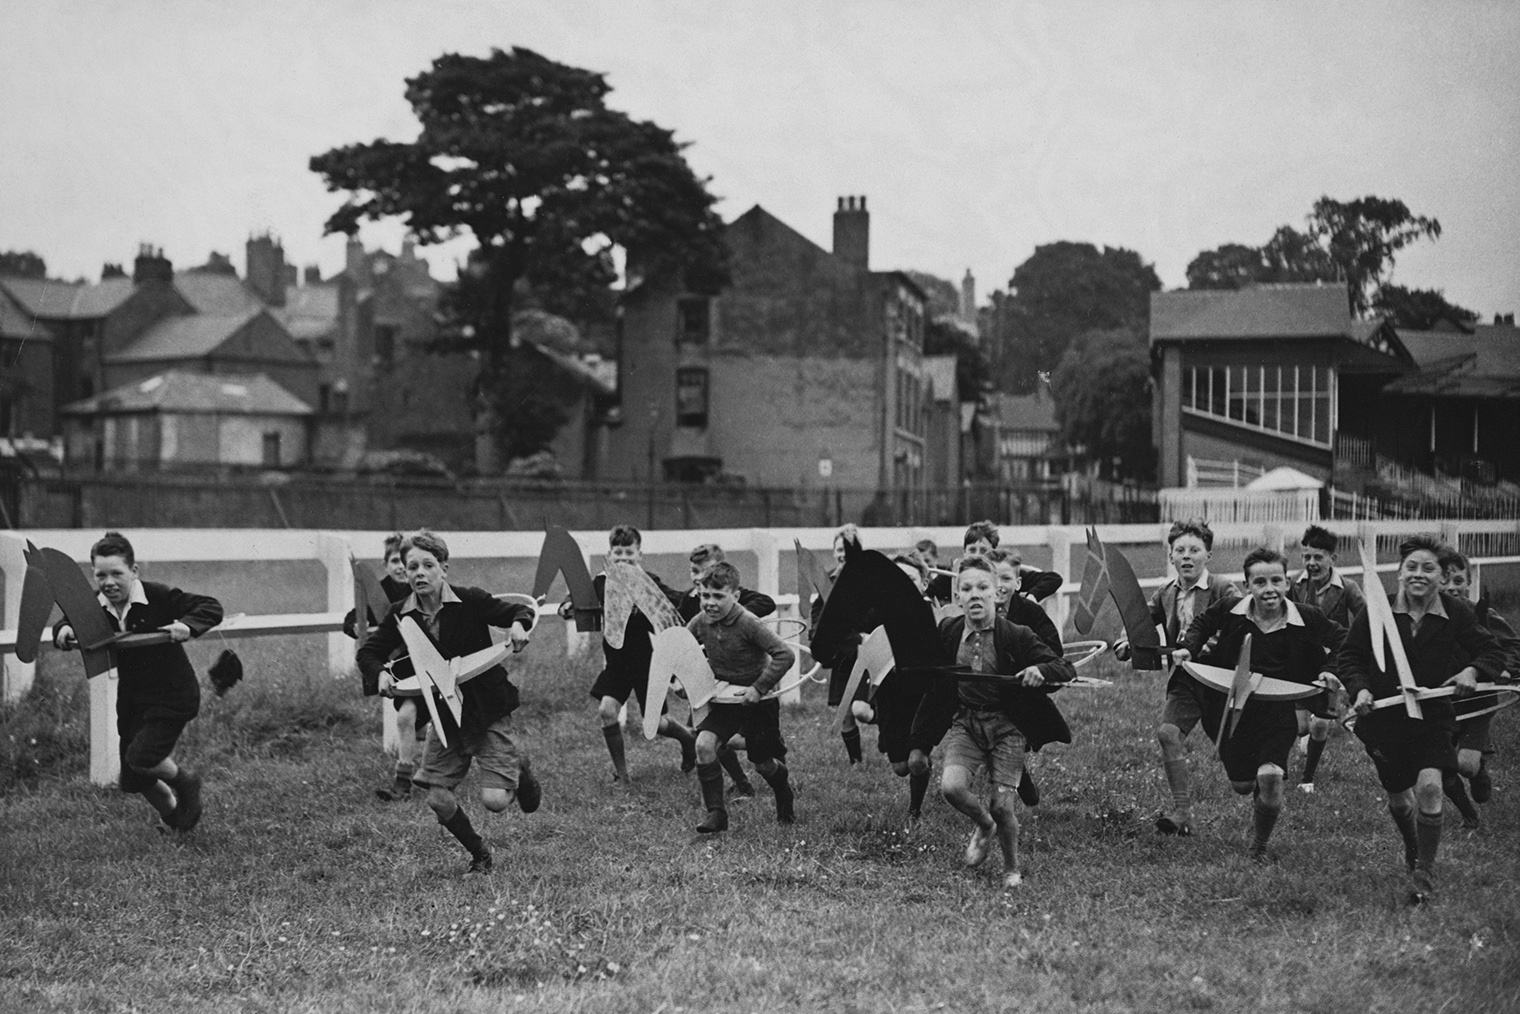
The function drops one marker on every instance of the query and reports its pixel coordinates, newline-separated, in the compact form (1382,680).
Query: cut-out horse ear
(1095,587)
(72,592)
(36,605)
(873,591)
(629,587)
(369,599)
(562,555)
(1144,640)
(812,580)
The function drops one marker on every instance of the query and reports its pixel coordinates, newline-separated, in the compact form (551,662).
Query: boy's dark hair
(1006,554)
(721,575)
(1191,526)
(1452,559)
(393,543)
(973,563)
(927,546)
(979,530)
(114,544)
(707,552)
(624,535)
(1261,554)
(910,559)
(1319,538)
(1415,543)
(427,542)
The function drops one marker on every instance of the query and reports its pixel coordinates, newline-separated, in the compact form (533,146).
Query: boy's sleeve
(198,612)
(1158,608)
(1353,664)
(781,657)
(1039,584)
(1205,625)
(1479,644)
(376,650)
(500,613)
(1508,640)
(756,602)
(1032,651)
(1356,599)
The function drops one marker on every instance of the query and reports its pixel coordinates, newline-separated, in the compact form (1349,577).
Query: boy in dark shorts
(995,723)
(458,621)
(744,652)
(1321,586)
(1290,642)
(157,691)
(1007,572)
(1173,607)
(626,670)
(1438,631)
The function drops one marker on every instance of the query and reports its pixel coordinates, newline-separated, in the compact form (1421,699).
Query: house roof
(179,391)
(1026,411)
(310,310)
(1261,311)
(941,373)
(15,322)
(592,373)
(1483,364)
(54,300)
(183,337)
(214,293)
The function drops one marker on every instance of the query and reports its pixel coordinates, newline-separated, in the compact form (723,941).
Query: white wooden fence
(1487,541)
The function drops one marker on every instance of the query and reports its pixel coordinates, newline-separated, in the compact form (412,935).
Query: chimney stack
(968,299)
(313,274)
(266,269)
(354,263)
(852,233)
(152,266)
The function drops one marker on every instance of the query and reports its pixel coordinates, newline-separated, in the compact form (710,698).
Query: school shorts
(1189,702)
(149,733)
(1401,747)
(759,724)
(1264,735)
(492,752)
(618,685)
(986,739)
(839,676)
(1476,734)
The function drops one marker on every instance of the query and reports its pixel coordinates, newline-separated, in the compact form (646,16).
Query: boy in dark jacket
(157,691)
(1290,642)
(995,723)
(1321,586)
(982,537)
(1445,645)
(458,621)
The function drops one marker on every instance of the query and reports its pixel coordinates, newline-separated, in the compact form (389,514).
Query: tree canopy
(523,154)
(22,264)
(1353,242)
(1102,395)
(1061,291)
(1418,309)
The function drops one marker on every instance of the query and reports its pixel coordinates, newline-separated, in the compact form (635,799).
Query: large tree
(1102,396)
(22,264)
(1062,290)
(1418,309)
(523,154)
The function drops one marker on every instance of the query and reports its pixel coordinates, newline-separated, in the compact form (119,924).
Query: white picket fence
(1487,541)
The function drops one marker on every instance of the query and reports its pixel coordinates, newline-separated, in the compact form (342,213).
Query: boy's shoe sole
(1168,824)
(529,792)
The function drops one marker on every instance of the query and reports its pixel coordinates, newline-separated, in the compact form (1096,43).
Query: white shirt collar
(1334,582)
(1245,607)
(1201,581)
(412,605)
(136,597)
(1437,607)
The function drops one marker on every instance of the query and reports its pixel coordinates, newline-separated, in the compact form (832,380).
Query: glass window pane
(1269,408)
(1322,419)
(1305,416)
(1189,388)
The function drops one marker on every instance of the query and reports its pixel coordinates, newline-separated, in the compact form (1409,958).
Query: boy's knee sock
(460,827)
(918,786)
(1178,781)
(851,739)
(1482,783)
(1427,830)
(1456,790)
(1264,818)
(729,758)
(1404,821)
(710,778)
(1311,758)
(614,736)
(777,780)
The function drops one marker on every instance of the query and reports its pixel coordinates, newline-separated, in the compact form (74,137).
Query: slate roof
(1262,311)
(55,300)
(183,337)
(1026,412)
(215,293)
(1483,364)
(178,391)
(310,310)
(15,322)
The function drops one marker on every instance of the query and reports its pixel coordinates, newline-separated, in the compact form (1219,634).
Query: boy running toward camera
(1321,586)
(743,652)
(457,619)
(157,690)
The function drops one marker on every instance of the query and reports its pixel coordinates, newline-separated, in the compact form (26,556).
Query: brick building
(807,371)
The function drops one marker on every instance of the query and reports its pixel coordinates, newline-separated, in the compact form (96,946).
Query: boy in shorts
(458,621)
(995,723)
(744,652)
(1445,645)
(1321,586)
(157,691)
(1290,642)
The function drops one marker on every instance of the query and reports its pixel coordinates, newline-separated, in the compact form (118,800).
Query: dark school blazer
(1312,647)
(1027,613)
(395,591)
(463,627)
(1164,603)
(1016,647)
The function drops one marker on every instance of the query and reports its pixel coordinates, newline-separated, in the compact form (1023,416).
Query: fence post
(335,553)
(17,677)
(767,550)
(1060,561)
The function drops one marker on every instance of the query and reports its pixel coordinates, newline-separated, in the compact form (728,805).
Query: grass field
(301,892)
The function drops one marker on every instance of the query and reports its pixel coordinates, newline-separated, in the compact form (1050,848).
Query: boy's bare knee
(1269,785)
(1469,761)
(608,710)
(1243,788)
(707,748)
(1002,807)
(1170,738)
(496,800)
(442,802)
(900,769)
(919,763)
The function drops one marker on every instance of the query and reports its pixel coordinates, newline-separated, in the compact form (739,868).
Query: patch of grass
(302,892)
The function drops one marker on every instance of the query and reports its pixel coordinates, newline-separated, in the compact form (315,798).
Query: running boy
(157,691)
(1321,586)
(1290,642)
(458,620)
(982,537)
(996,723)
(744,652)
(1173,607)
(1438,631)
(1016,608)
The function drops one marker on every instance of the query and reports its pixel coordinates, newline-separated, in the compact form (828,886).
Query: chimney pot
(852,233)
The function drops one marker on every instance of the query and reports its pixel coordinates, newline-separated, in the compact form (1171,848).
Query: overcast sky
(977,130)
